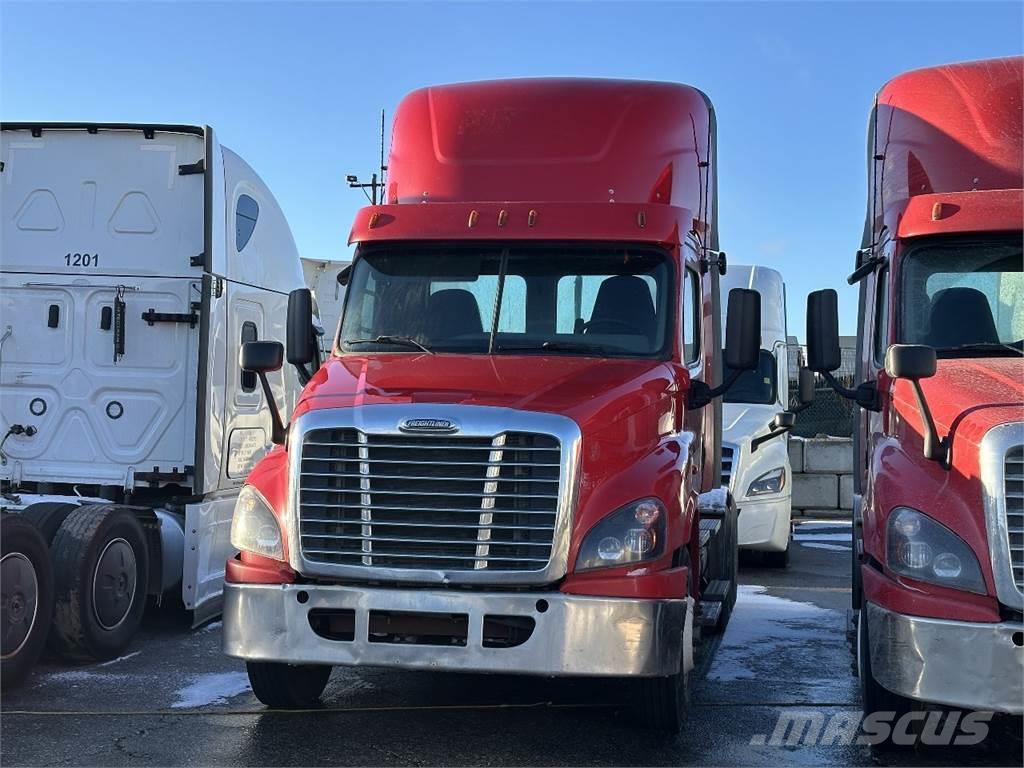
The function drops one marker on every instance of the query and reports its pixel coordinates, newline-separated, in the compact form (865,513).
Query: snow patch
(801,536)
(829,547)
(119,659)
(764,628)
(211,688)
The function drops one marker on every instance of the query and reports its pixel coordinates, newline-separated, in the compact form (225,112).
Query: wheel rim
(20,602)
(113,584)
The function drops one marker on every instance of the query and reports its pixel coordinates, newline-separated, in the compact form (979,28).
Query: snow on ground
(765,627)
(211,688)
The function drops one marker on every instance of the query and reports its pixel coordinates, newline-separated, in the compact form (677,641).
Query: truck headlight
(772,481)
(923,549)
(634,533)
(254,526)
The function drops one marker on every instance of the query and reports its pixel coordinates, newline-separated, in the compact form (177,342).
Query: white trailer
(757,471)
(136,260)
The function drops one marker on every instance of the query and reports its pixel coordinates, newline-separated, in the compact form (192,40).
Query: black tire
(26,581)
(101,569)
(287,686)
(875,697)
(777,559)
(664,703)
(48,517)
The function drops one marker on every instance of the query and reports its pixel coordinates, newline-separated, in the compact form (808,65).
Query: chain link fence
(831,414)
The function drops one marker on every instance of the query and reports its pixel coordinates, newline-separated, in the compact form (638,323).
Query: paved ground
(173,699)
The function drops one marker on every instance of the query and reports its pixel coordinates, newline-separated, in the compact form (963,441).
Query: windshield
(584,300)
(755,386)
(964,297)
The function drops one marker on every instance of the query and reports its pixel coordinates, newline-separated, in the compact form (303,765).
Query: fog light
(947,566)
(609,548)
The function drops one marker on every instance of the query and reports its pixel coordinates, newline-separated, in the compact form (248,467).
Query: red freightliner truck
(938,564)
(510,463)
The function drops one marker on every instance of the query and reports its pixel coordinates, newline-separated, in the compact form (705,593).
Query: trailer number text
(82,259)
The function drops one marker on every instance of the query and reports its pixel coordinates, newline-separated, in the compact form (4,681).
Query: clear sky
(297,89)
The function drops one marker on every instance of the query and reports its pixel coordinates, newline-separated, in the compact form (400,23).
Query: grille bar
(429,502)
(1013,488)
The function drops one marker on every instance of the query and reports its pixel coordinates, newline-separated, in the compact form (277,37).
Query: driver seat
(623,306)
(961,316)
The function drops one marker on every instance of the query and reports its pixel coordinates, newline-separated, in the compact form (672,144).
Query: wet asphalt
(174,699)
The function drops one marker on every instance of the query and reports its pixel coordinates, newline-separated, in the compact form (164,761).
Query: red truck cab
(500,467)
(939,444)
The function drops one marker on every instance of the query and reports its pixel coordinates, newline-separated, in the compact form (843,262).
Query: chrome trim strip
(573,635)
(992,458)
(474,421)
(956,663)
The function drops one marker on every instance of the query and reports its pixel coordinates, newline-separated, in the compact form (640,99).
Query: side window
(247,211)
(881,316)
(691,317)
(249,379)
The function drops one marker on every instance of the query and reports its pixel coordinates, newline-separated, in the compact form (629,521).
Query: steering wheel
(637,330)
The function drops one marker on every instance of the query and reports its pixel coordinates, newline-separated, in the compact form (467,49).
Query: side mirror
(781,424)
(743,330)
(823,354)
(300,339)
(914,362)
(344,276)
(261,358)
(910,361)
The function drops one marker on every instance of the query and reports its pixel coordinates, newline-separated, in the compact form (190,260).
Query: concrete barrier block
(815,491)
(825,455)
(796,454)
(846,491)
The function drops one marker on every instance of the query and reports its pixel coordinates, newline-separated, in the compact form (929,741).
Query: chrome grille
(438,502)
(727,458)
(1013,488)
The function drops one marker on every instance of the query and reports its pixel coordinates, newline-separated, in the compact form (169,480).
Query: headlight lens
(632,534)
(254,527)
(770,482)
(918,547)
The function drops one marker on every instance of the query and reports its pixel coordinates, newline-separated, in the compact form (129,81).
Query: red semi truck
(511,461)
(938,566)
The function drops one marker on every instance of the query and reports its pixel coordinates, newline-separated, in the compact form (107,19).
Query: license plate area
(418,628)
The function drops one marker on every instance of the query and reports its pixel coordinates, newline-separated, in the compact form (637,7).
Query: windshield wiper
(402,341)
(555,346)
(982,348)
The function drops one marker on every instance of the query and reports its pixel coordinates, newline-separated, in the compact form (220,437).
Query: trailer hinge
(174,476)
(152,317)
(199,166)
(199,260)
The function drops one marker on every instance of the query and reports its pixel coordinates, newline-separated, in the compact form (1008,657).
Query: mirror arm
(935,448)
(865,394)
(800,407)
(701,394)
(770,436)
(866,269)
(278,433)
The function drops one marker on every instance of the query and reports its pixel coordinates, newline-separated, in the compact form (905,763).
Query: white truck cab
(758,473)
(136,260)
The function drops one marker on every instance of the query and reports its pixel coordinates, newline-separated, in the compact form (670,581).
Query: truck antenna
(376,182)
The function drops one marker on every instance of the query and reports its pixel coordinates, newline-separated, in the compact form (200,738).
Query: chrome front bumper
(956,663)
(572,635)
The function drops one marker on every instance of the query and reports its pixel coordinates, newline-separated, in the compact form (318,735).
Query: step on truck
(510,462)
(938,535)
(136,260)
(756,421)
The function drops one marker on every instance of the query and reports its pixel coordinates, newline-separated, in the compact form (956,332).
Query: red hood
(970,396)
(593,392)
